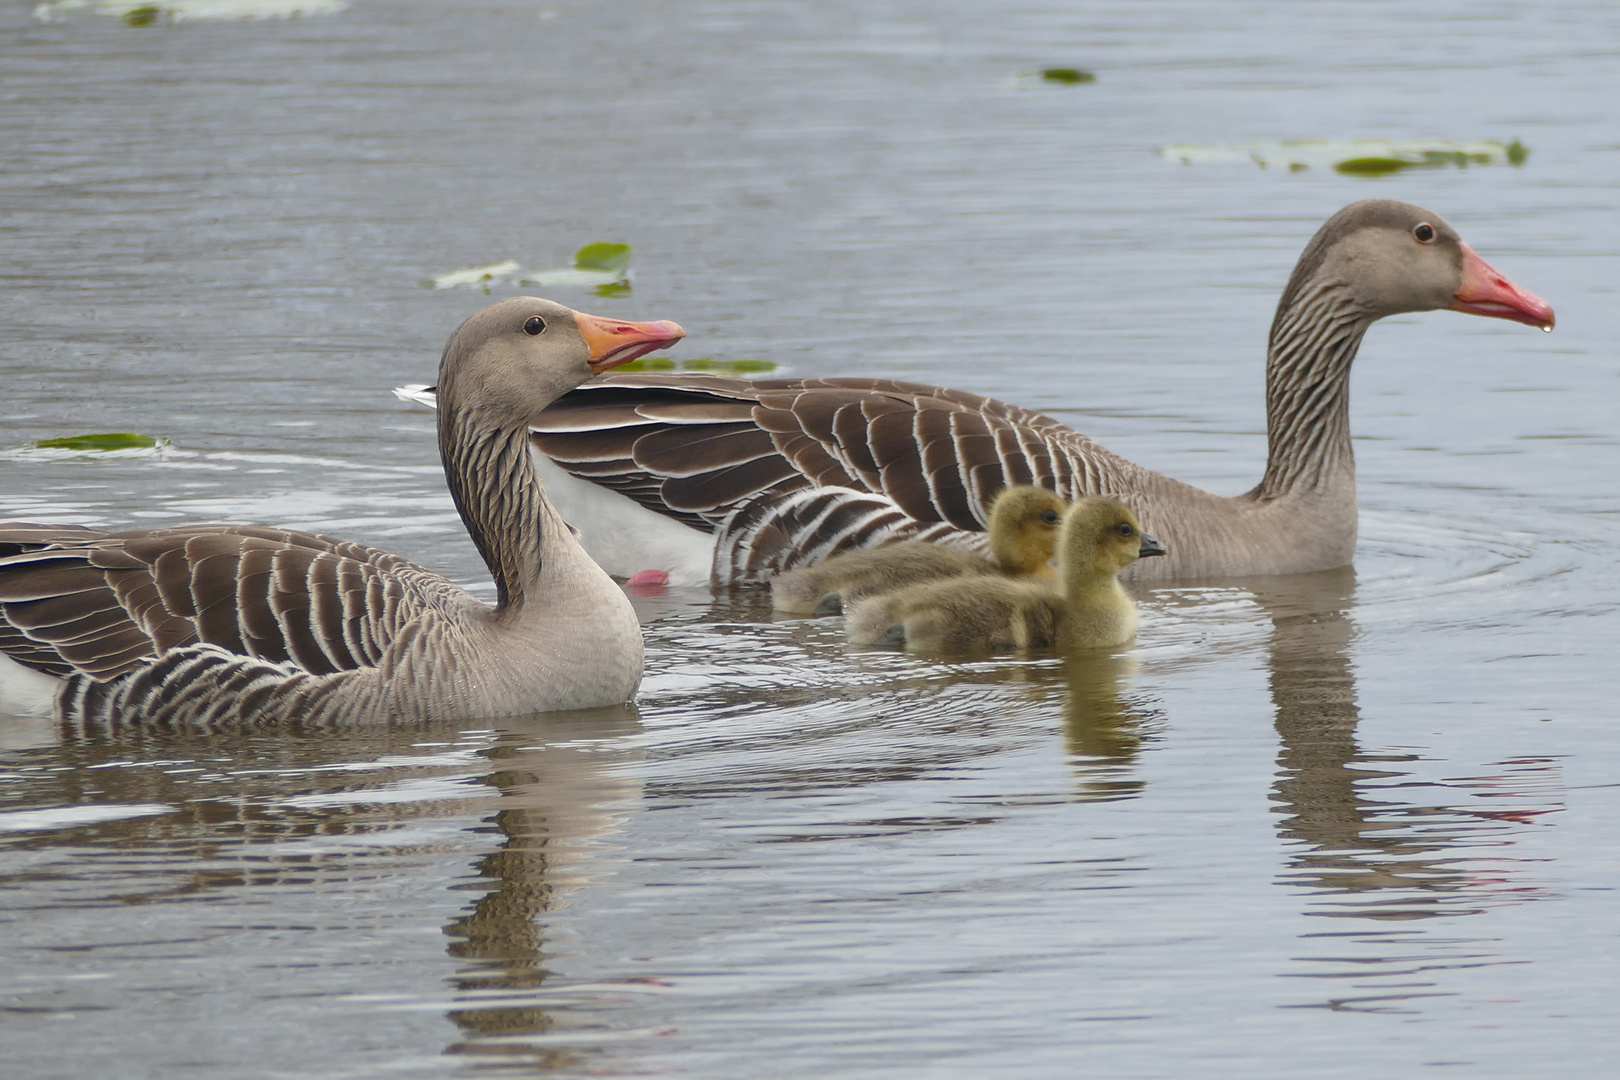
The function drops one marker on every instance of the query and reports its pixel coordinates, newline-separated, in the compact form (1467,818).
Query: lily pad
(147,13)
(603,267)
(111,440)
(700,363)
(595,265)
(1354,157)
(1068,76)
(475,276)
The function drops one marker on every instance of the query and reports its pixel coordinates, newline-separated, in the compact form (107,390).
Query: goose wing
(102,604)
(788,471)
(700,447)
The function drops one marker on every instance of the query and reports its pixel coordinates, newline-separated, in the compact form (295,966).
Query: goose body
(1022,538)
(768,475)
(214,624)
(1086,608)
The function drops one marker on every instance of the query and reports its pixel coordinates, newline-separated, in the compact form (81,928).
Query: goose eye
(1050,517)
(1423,232)
(1124,530)
(535,325)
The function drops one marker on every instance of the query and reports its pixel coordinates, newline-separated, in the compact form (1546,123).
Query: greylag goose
(755,477)
(1100,538)
(1023,530)
(214,624)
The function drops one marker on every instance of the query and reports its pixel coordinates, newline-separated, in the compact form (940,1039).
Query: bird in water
(1022,537)
(239,624)
(1086,608)
(735,480)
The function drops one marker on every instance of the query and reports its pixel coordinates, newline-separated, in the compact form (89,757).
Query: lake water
(1347,825)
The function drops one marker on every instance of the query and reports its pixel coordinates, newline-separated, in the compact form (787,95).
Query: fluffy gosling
(1099,538)
(1023,534)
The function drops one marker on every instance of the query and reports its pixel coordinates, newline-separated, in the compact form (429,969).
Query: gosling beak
(1485,292)
(613,341)
(1150,546)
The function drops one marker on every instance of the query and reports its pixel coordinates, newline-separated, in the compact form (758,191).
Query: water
(1344,825)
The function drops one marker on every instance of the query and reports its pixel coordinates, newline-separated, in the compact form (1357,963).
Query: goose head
(1101,537)
(1023,528)
(1391,257)
(512,359)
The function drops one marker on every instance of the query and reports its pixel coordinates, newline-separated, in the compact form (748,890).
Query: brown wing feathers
(702,447)
(103,604)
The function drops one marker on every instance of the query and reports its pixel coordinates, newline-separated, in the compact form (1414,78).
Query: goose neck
(498,495)
(1314,340)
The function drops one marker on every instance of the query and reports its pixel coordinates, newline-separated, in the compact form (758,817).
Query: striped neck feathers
(1314,340)
(496,491)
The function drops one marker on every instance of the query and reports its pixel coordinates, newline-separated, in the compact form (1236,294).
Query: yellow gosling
(1023,534)
(1100,538)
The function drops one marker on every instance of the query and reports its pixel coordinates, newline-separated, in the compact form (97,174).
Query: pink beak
(1485,292)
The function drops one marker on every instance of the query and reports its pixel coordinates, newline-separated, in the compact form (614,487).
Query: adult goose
(214,624)
(750,478)
(1085,608)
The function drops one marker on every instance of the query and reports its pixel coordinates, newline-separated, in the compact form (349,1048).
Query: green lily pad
(475,276)
(112,440)
(595,265)
(607,258)
(147,13)
(1355,157)
(700,363)
(1067,76)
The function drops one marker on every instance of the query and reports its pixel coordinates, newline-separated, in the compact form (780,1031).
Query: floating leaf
(1355,157)
(475,276)
(595,265)
(608,258)
(1067,75)
(112,440)
(139,13)
(700,363)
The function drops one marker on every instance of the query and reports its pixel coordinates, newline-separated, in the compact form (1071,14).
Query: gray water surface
(1342,825)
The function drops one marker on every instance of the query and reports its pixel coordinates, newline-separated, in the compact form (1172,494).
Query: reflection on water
(1356,852)
(1105,723)
(559,796)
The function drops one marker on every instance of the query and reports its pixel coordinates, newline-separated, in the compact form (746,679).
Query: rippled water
(1348,824)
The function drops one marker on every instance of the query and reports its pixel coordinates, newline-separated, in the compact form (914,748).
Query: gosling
(1099,538)
(1023,534)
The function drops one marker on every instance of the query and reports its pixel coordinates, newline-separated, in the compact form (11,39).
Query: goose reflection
(1105,724)
(1375,858)
(562,789)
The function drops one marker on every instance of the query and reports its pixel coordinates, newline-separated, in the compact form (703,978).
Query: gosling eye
(535,325)
(1050,517)
(1124,529)
(1423,232)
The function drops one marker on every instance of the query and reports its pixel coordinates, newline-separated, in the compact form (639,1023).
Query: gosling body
(1087,608)
(1023,531)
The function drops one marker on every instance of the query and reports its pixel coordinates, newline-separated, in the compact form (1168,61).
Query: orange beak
(614,342)
(1485,292)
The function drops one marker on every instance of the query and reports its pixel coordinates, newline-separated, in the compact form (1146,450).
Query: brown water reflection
(557,797)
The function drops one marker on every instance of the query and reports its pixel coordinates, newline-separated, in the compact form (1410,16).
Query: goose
(1023,529)
(735,480)
(214,624)
(1100,538)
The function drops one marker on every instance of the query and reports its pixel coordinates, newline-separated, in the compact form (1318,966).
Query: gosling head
(1393,257)
(1024,524)
(1101,537)
(518,356)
